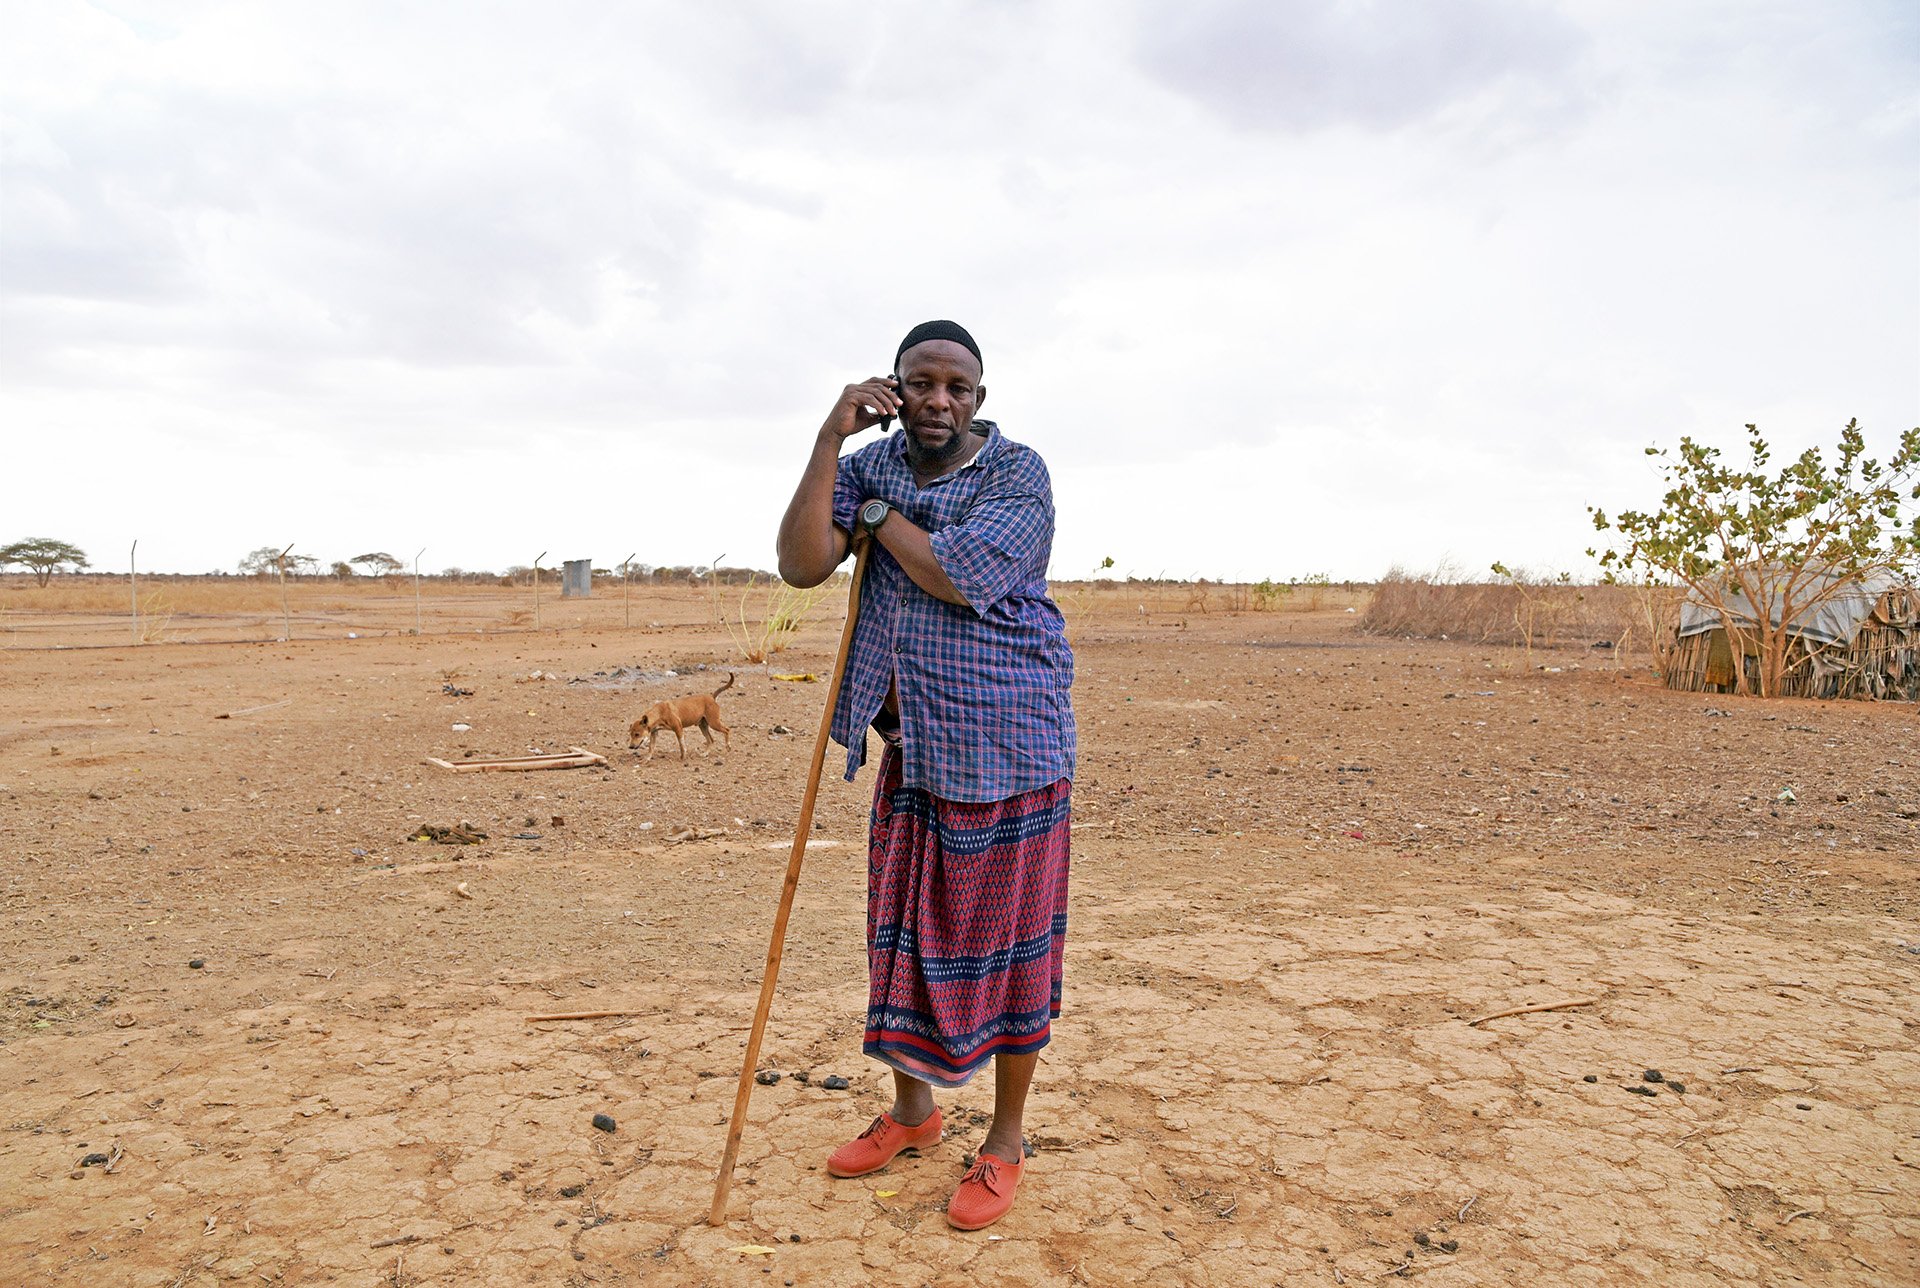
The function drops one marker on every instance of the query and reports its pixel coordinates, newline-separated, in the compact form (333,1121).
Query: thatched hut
(1862,641)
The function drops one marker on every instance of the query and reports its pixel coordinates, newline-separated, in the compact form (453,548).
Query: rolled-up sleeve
(1004,539)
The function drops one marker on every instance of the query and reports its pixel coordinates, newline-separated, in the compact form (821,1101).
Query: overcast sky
(1277,287)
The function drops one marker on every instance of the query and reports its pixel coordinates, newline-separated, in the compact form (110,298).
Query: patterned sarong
(966,925)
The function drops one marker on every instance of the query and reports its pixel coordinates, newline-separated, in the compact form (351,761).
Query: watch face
(872,512)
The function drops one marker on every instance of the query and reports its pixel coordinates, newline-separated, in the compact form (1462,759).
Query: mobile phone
(886,421)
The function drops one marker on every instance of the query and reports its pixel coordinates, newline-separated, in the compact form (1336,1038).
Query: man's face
(940,387)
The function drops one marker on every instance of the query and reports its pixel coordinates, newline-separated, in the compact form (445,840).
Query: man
(960,662)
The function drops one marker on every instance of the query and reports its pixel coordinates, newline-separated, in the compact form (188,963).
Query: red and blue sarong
(966,925)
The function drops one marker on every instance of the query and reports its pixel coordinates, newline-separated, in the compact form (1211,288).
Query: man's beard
(928,459)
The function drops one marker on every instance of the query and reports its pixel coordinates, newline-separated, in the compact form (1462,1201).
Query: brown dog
(681,713)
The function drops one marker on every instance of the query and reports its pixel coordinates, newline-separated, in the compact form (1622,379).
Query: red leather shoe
(985,1194)
(875,1147)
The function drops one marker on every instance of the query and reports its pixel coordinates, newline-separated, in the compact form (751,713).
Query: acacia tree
(262,561)
(378,563)
(44,556)
(1762,550)
(268,560)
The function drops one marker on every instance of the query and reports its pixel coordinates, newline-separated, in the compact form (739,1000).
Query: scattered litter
(1786,796)
(834,1082)
(689,832)
(779,730)
(885,1194)
(461,833)
(531,676)
(752,1250)
(247,711)
(461,727)
(454,691)
(798,677)
(767,1077)
(604,1122)
(462,891)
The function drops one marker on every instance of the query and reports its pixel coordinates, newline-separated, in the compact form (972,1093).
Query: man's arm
(911,546)
(810,546)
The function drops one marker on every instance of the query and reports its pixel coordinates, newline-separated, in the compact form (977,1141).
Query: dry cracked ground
(1306,860)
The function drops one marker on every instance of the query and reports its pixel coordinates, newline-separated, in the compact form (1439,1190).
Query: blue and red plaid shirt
(984,688)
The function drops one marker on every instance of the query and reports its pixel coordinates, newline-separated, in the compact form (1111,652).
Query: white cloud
(1277,289)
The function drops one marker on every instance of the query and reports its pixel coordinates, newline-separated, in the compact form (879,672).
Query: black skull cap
(939,330)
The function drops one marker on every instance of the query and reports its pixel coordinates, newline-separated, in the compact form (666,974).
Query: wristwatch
(873,514)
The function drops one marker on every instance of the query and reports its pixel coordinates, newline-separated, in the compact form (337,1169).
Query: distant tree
(261,562)
(44,555)
(378,563)
(1762,550)
(342,569)
(266,560)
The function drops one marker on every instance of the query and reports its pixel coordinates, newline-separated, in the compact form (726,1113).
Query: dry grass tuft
(771,612)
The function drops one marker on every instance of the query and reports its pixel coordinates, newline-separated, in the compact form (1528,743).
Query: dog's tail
(723,688)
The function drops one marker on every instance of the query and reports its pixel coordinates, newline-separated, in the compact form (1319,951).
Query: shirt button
(899,648)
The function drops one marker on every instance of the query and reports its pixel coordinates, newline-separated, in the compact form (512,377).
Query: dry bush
(770,612)
(1524,611)
(156,615)
(1158,598)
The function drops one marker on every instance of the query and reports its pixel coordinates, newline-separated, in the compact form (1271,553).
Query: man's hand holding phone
(868,405)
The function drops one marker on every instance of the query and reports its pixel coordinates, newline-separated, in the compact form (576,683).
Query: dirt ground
(1304,860)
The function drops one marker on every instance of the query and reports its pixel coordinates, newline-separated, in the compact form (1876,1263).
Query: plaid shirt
(985,710)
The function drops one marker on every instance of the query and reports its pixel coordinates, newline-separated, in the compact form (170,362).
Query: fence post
(133,583)
(286,613)
(536,589)
(626,584)
(416,591)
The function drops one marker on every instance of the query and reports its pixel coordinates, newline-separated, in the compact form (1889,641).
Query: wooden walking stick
(717,1214)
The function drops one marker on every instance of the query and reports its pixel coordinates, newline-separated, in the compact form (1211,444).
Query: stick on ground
(571,758)
(584,1015)
(1567,1005)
